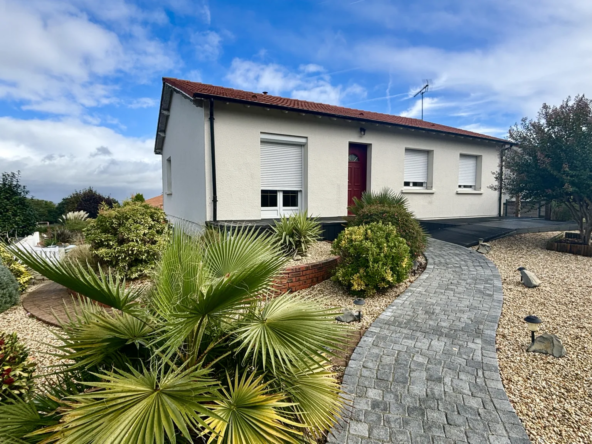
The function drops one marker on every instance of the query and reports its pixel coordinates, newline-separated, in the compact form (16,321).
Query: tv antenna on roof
(422,91)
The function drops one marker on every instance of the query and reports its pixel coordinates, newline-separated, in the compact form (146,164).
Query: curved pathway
(426,370)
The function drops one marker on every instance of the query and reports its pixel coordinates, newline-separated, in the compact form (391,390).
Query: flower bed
(569,243)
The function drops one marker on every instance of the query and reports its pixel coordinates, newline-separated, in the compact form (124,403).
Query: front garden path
(426,371)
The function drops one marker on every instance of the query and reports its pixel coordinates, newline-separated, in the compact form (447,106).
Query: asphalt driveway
(467,232)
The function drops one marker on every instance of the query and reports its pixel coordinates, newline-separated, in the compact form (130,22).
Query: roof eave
(340,116)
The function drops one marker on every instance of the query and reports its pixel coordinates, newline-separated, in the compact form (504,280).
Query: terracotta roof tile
(155,201)
(204,90)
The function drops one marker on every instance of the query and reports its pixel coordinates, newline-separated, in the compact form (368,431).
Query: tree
(17,217)
(45,210)
(88,200)
(553,159)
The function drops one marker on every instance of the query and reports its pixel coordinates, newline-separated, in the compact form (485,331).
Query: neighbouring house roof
(155,201)
(202,90)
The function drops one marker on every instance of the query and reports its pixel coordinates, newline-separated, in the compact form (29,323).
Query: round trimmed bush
(9,289)
(373,257)
(128,238)
(401,218)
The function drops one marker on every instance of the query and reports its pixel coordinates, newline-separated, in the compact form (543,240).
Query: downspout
(213,155)
(501,179)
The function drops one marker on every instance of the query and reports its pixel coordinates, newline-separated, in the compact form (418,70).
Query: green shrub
(373,257)
(83,254)
(129,238)
(16,370)
(297,233)
(18,270)
(9,289)
(386,197)
(402,219)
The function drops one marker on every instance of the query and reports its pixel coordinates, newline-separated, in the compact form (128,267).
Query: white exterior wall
(185,145)
(238,129)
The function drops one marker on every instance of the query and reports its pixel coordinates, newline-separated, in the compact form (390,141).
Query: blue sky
(80,80)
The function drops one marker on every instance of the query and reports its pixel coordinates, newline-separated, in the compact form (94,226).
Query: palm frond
(139,407)
(290,329)
(19,418)
(212,279)
(317,396)
(297,232)
(92,336)
(107,288)
(386,197)
(249,414)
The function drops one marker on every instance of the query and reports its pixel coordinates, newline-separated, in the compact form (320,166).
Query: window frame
(465,188)
(416,185)
(169,175)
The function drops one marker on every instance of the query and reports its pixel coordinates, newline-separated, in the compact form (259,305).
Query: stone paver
(426,370)
(48,301)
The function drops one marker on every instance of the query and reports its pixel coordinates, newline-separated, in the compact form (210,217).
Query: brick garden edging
(299,277)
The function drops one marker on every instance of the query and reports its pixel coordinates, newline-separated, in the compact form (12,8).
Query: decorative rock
(528,278)
(483,248)
(347,316)
(548,344)
(297,257)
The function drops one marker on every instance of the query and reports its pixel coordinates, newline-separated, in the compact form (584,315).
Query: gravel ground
(34,334)
(553,397)
(317,252)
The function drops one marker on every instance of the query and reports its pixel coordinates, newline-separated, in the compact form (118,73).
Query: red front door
(356,173)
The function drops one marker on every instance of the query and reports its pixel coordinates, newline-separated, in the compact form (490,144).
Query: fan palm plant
(386,197)
(203,355)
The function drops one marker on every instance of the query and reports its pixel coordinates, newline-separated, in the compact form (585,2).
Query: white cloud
(429,104)
(486,129)
(208,45)
(142,102)
(279,80)
(55,156)
(519,60)
(56,60)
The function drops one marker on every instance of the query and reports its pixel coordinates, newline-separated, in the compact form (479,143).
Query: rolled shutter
(416,166)
(281,166)
(467,170)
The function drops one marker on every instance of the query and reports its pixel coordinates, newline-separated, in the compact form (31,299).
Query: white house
(230,155)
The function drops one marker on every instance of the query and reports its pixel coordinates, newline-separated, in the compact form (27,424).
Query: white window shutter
(281,166)
(467,170)
(416,166)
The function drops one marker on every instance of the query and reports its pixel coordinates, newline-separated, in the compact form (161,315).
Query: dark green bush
(16,370)
(297,233)
(402,219)
(88,200)
(17,217)
(129,238)
(9,289)
(373,257)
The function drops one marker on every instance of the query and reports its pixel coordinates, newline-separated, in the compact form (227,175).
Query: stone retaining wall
(304,276)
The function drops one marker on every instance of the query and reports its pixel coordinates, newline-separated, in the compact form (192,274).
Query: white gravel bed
(34,334)
(553,397)
(317,252)
(332,294)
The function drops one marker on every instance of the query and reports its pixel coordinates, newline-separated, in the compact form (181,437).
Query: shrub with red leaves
(16,369)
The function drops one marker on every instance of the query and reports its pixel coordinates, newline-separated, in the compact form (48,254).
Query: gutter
(213,155)
(358,119)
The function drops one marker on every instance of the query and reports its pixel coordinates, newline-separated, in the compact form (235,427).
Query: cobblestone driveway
(426,371)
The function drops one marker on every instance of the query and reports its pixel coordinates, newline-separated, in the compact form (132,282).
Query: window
(269,199)
(467,172)
(169,177)
(416,169)
(353,158)
(281,175)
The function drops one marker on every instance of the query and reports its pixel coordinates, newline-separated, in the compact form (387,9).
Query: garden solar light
(534,323)
(359,303)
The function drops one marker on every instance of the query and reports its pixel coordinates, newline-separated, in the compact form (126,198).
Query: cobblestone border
(426,371)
